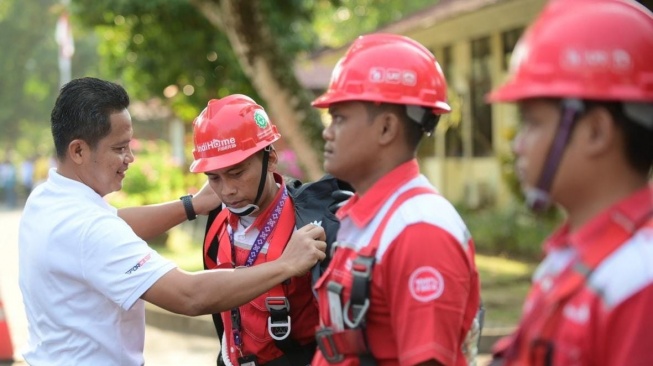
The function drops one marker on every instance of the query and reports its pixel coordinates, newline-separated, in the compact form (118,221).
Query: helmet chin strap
(253,207)
(538,198)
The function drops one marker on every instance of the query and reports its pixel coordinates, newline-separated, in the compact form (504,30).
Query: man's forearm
(214,291)
(153,220)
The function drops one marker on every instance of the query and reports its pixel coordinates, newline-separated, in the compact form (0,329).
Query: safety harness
(550,307)
(311,204)
(337,341)
(279,322)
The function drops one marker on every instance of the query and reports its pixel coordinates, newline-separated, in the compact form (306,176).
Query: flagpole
(64,38)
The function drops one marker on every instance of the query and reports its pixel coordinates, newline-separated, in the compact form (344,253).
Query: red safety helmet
(228,131)
(387,68)
(585,49)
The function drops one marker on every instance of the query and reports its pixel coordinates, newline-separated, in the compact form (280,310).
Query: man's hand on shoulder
(305,248)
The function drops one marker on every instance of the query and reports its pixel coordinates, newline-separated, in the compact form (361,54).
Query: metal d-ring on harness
(360,300)
(279,327)
(279,319)
(335,341)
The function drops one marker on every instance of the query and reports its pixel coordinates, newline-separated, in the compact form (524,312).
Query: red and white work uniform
(424,291)
(256,339)
(592,297)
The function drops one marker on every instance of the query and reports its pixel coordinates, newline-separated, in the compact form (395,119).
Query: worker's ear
(598,132)
(273,160)
(78,151)
(388,127)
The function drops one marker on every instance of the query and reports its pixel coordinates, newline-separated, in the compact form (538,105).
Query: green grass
(179,248)
(504,282)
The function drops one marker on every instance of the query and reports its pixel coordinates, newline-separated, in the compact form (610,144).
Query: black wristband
(187,200)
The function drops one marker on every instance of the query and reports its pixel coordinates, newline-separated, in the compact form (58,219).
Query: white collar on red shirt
(362,209)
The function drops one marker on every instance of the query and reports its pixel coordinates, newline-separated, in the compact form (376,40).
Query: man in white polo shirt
(84,267)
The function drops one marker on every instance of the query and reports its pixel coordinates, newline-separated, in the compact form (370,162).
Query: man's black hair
(83,110)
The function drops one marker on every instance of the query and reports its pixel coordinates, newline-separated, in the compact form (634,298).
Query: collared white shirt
(82,271)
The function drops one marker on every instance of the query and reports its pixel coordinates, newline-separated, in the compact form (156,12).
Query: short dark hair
(83,110)
(412,129)
(638,139)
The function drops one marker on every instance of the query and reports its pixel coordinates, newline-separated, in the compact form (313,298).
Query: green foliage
(504,284)
(181,249)
(154,48)
(166,49)
(28,80)
(158,44)
(339,22)
(29,73)
(512,232)
(154,177)
(291,23)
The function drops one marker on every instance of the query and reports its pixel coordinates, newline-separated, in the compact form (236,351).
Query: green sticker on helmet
(261,118)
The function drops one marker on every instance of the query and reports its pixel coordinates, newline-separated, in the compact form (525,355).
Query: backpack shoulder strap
(314,202)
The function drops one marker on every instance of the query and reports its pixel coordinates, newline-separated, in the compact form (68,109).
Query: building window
(480,85)
(453,138)
(509,40)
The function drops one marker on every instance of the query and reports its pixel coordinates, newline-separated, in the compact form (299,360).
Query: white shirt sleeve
(118,263)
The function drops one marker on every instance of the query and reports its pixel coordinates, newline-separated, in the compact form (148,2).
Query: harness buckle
(279,319)
(358,311)
(326,344)
(359,302)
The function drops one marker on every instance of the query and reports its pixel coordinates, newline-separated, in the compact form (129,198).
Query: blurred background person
(582,77)
(8,181)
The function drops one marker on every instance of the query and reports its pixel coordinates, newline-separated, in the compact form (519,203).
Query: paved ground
(170,339)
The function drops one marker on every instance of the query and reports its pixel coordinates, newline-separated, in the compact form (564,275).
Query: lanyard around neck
(264,233)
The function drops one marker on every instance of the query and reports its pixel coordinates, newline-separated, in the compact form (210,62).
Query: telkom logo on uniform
(426,284)
(220,145)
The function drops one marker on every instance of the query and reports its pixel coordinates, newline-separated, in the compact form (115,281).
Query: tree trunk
(272,75)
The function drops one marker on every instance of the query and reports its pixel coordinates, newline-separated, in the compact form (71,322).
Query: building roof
(444,9)
(315,75)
